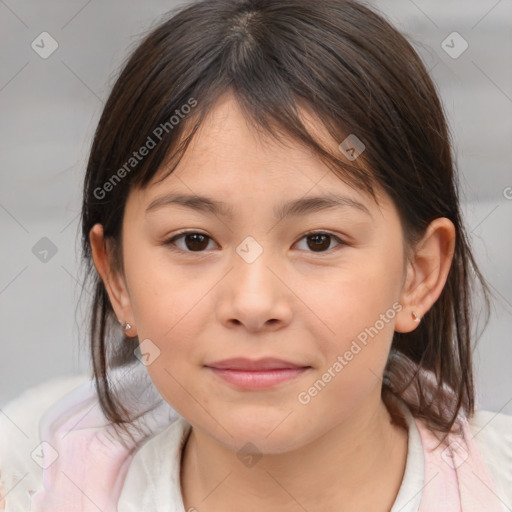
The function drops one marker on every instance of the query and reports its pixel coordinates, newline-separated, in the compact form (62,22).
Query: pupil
(316,246)
(198,241)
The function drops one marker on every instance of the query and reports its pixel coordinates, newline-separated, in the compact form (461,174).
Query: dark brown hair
(349,67)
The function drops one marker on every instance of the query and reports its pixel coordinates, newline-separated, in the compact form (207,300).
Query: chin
(269,435)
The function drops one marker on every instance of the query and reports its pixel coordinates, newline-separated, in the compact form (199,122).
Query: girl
(281,316)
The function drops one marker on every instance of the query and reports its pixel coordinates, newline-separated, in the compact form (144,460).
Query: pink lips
(256,374)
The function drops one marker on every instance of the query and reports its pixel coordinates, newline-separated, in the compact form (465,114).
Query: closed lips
(241,364)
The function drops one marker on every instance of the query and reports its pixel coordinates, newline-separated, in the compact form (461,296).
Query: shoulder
(492,432)
(20,474)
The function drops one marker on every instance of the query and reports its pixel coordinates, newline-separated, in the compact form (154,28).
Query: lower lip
(258,379)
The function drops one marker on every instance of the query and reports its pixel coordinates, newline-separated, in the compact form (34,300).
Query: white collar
(153,479)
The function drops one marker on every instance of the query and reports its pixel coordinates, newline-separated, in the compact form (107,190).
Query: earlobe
(114,283)
(427,273)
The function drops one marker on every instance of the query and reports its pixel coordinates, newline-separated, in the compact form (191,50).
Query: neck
(335,468)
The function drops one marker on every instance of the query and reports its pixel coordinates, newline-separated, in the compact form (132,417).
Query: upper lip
(242,363)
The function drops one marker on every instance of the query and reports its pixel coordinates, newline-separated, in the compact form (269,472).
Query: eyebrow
(296,207)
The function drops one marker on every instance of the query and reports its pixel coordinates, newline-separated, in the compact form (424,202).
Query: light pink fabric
(456,477)
(93,460)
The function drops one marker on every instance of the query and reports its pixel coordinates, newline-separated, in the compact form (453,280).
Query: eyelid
(170,241)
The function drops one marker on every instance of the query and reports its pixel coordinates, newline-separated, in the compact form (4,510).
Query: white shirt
(153,479)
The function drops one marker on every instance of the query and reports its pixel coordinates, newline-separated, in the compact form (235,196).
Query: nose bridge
(253,295)
(252,261)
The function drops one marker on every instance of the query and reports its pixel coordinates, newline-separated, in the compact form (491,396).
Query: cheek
(354,361)
(357,308)
(163,295)
(355,299)
(174,322)
(169,310)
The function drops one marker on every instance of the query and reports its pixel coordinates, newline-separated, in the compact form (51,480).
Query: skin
(292,302)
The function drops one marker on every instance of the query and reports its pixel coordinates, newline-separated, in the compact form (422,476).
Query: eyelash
(170,242)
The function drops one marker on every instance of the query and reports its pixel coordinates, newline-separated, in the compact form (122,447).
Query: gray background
(49,110)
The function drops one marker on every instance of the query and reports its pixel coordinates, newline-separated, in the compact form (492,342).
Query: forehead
(228,146)
(229,158)
(227,139)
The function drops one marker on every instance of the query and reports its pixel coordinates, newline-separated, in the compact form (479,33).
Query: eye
(193,241)
(320,241)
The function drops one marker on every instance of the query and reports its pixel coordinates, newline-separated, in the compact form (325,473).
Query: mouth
(256,374)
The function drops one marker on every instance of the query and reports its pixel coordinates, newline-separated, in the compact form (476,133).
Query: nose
(254,295)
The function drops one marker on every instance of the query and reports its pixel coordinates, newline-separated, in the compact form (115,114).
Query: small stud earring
(125,325)
(415,317)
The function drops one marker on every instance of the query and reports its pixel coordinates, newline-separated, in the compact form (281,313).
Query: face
(319,288)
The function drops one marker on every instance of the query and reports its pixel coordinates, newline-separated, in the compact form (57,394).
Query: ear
(426,273)
(114,282)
